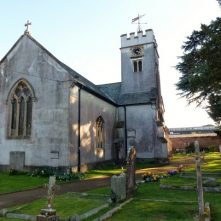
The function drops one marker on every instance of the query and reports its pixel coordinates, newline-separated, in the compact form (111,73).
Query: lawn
(6,219)
(66,205)
(178,181)
(110,170)
(150,201)
(210,164)
(13,183)
(155,211)
(92,174)
(153,204)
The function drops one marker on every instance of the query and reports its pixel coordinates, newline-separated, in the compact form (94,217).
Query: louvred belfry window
(137,65)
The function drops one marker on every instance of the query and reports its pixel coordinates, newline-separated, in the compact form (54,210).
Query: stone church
(52,116)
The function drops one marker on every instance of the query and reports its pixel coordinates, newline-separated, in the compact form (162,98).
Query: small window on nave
(20,110)
(100,132)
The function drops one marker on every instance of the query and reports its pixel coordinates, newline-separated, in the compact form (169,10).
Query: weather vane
(26,25)
(138,22)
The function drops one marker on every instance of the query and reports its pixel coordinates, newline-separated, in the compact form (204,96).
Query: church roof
(114,91)
(135,98)
(108,92)
(76,77)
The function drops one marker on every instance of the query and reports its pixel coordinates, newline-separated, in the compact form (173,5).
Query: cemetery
(188,188)
(72,149)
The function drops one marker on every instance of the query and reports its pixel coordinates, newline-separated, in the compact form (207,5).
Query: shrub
(43,172)
(12,172)
(213,148)
(63,176)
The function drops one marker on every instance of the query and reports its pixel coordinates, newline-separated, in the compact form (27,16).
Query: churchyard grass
(66,205)
(150,201)
(210,164)
(153,203)
(9,183)
(92,174)
(7,219)
(111,169)
(178,181)
(12,183)
(155,211)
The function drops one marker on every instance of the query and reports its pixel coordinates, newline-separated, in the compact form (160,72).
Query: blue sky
(85,35)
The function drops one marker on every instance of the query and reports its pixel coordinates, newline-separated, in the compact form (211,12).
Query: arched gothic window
(20,101)
(99,132)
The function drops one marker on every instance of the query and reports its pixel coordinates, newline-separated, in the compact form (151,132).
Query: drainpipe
(125,130)
(79,130)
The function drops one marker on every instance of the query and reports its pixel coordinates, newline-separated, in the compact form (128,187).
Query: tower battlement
(139,38)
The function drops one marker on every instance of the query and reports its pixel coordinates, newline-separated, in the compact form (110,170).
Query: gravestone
(118,187)
(17,160)
(51,190)
(49,214)
(130,172)
(199,182)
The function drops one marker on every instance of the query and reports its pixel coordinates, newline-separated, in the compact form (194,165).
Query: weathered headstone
(49,214)
(199,182)
(118,187)
(130,172)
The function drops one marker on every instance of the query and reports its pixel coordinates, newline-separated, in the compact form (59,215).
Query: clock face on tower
(137,51)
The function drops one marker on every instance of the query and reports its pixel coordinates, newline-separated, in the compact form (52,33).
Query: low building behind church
(52,116)
(182,139)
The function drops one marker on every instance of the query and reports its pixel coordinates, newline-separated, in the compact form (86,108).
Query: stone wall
(180,142)
(48,143)
(91,108)
(141,125)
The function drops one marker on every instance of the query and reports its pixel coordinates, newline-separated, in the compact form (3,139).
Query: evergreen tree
(200,67)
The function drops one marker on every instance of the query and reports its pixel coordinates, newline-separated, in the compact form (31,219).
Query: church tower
(139,62)
(140,96)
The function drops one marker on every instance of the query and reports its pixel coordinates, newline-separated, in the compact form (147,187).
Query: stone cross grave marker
(130,172)
(51,190)
(199,182)
(49,214)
